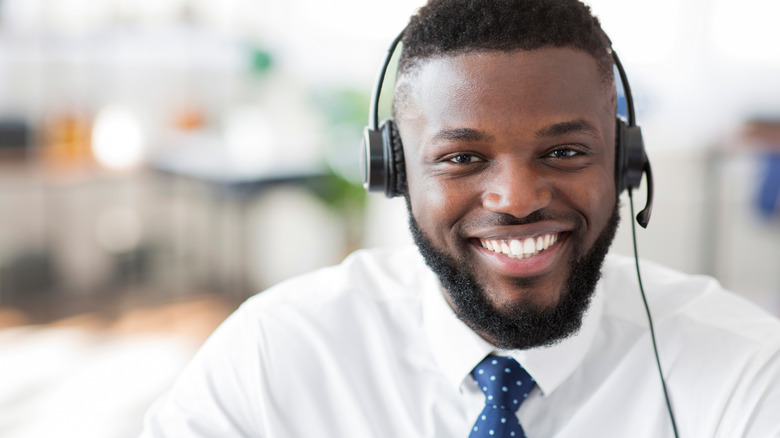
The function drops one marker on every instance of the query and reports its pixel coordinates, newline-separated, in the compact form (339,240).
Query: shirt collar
(457,349)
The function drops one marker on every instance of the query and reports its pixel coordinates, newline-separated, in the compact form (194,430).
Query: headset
(383,169)
(382,156)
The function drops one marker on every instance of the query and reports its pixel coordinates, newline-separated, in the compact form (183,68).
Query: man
(506,113)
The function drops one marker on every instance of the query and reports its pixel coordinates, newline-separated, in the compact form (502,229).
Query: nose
(516,189)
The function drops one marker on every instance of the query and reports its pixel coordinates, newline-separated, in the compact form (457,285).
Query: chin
(538,293)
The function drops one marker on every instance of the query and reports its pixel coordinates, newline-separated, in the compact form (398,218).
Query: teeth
(529,246)
(517,248)
(520,249)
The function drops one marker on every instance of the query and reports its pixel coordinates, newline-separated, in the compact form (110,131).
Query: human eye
(464,158)
(568,157)
(564,152)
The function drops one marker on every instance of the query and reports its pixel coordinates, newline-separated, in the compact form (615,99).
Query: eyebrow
(556,129)
(568,127)
(463,134)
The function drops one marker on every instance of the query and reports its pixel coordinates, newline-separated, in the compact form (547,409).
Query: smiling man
(509,318)
(512,191)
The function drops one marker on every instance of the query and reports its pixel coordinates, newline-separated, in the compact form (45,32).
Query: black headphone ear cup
(631,163)
(394,160)
(620,154)
(630,157)
(372,160)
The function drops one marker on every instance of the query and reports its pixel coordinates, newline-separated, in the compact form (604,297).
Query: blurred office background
(162,160)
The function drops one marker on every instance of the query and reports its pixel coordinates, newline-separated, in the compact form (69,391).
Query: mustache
(505,219)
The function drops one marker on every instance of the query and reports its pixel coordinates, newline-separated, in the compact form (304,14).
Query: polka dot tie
(506,385)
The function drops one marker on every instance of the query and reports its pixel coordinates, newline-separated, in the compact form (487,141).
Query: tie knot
(505,383)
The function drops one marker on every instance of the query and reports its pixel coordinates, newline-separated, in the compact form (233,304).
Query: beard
(520,325)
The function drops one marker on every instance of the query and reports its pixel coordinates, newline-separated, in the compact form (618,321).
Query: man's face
(510,169)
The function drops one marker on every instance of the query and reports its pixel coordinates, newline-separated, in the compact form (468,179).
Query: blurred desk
(232,189)
(73,241)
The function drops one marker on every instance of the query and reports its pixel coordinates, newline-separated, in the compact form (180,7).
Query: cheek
(431,202)
(600,191)
(437,205)
(595,198)
(602,201)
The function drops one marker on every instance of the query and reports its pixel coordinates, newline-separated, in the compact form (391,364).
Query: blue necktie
(506,385)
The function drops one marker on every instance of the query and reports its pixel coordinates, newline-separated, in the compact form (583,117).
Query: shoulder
(684,300)
(721,353)
(371,291)
(370,274)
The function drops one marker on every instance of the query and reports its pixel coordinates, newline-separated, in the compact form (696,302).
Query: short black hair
(453,27)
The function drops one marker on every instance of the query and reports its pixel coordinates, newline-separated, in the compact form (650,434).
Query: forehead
(508,86)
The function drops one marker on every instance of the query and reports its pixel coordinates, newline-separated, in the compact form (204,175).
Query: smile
(520,248)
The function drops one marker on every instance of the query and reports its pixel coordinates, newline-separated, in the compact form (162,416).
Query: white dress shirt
(370,348)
